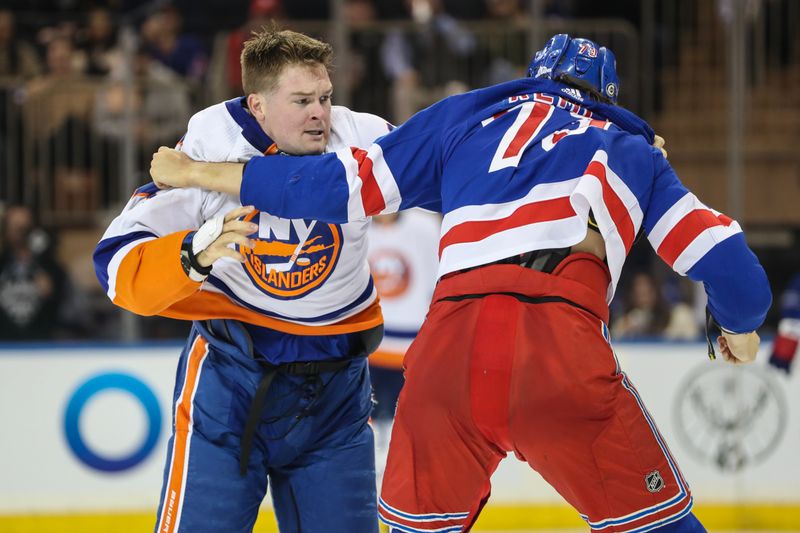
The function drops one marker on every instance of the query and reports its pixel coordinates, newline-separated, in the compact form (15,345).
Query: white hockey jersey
(403,258)
(302,277)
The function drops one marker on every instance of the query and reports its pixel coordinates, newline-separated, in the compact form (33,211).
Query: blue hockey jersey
(518,167)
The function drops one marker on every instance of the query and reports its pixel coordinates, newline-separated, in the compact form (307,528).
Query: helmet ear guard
(578,62)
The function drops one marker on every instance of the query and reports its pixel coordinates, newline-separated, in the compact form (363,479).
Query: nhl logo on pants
(654,481)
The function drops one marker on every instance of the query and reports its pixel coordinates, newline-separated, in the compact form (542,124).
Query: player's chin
(314,145)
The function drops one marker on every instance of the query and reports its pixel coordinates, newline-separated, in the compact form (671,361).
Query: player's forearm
(149,278)
(300,187)
(221,177)
(738,291)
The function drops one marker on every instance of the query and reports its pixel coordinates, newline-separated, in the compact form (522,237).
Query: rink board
(85,432)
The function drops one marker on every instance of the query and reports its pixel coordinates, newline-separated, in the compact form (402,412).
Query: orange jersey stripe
(148,284)
(386,359)
(150,277)
(209,305)
(173,498)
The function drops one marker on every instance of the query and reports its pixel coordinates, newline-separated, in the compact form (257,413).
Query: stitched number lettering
(582,124)
(529,122)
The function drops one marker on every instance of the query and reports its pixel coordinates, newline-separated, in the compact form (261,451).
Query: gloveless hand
(234,231)
(739,348)
(659,143)
(170,168)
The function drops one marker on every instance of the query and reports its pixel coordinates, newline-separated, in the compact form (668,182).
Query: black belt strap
(253,415)
(257,406)
(542,260)
(521,297)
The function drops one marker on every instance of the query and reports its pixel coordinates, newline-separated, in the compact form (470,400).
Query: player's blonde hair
(271,49)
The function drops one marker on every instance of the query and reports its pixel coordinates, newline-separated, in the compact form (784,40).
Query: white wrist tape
(207,234)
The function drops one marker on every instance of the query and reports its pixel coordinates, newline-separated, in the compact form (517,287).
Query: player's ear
(255,103)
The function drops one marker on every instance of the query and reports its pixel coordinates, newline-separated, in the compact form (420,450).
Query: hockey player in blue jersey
(544,184)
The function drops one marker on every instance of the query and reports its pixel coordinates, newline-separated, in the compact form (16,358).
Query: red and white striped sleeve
(687,231)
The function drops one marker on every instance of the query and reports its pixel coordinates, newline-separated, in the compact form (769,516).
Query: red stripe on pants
(490,367)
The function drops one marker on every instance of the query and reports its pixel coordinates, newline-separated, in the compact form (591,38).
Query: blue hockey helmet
(578,62)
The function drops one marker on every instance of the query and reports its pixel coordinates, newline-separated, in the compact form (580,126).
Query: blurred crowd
(88,87)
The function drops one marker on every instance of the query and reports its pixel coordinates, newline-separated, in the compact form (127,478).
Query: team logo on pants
(291,258)
(654,481)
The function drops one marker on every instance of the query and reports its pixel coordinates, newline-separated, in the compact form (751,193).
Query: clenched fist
(659,143)
(170,168)
(739,348)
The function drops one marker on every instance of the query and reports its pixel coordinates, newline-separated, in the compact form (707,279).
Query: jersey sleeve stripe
(107,248)
(385,179)
(616,207)
(789,327)
(150,278)
(110,253)
(685,231)
(686,204)
(371,196)
(355,205)
(701,245)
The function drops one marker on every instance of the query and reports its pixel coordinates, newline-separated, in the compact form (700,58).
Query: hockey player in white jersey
(273,383)
(403,259)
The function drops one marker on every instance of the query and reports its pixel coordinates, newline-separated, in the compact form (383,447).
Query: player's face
(297,112)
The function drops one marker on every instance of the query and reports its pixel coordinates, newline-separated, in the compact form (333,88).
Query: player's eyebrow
(303,93)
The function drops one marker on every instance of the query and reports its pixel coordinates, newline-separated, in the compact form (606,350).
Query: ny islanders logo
(291,258)
(391,273)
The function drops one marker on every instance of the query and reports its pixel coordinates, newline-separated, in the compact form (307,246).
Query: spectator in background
(784,348)
(31,282)
(648,314)
(60,95)
(507,53)
(97,43)
(56,111)
(225,65)
(182,53)
(465,9)
(418,76)
(161,105)
(18,64)
(18,59)
(366,80)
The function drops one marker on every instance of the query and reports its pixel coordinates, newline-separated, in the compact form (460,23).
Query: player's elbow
(748,303)
(762,302)
(759,295)
(139,307)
